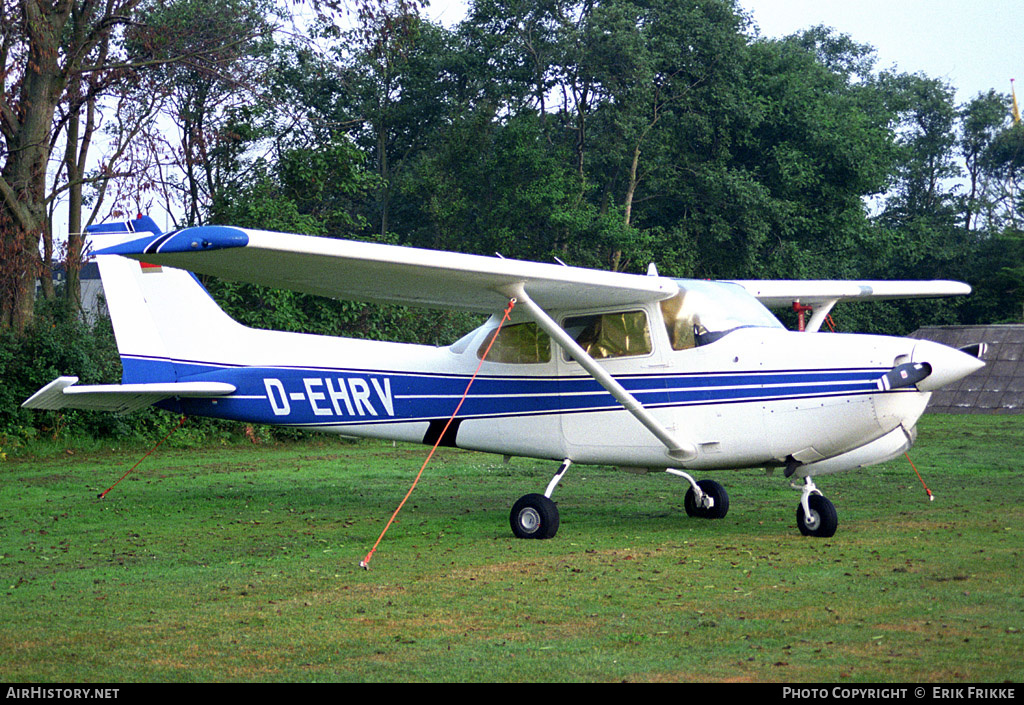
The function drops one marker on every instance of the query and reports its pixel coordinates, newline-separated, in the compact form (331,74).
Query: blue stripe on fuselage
(324,396)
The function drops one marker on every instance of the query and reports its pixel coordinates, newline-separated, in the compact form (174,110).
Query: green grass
(241,564)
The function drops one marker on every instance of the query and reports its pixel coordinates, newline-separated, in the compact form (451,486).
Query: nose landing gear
(815,515)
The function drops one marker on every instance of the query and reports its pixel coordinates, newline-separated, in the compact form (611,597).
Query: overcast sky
(974,45)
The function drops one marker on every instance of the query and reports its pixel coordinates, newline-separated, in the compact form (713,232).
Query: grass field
(241,564)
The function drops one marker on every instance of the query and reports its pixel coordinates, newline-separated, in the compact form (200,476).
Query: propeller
(944,366)
(977,350)
(904,375)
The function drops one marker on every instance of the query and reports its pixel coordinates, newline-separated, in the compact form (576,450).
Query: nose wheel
(815,515)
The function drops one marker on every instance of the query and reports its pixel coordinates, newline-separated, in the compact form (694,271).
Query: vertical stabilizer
(164,320)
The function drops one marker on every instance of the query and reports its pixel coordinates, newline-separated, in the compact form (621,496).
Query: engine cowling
(877,451)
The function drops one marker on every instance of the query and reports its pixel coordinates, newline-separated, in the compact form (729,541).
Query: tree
(514,49)
(819,142)
(926,138)
(222,49)
(397,96)
(658,69)
(79,126)
(49,51)
(981,120)
(66,53)
(1004,163)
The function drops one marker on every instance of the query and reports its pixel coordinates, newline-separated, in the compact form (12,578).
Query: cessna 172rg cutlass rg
(593,367)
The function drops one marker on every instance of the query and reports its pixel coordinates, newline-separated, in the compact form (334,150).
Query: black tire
(716,492)
(823,521)
(534,516)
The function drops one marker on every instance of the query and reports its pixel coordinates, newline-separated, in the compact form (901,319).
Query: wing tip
(202,238)
(50,396)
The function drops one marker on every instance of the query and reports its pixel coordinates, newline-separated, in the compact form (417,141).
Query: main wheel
(534,516)
(716,492)
(822,520)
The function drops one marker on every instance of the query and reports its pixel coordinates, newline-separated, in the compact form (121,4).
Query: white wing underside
(781,293)
(363,271)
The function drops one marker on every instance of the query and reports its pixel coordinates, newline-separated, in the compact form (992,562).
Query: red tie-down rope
(365,563)
(181,422)
(931,497)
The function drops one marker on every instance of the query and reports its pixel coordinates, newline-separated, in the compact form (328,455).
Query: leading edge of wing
(349,269)
(782,293)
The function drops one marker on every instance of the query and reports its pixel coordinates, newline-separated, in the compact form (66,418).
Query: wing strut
(677,449)
(820,314)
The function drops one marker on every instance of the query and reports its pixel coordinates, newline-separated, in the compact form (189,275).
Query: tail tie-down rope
(181,422)
(365,563)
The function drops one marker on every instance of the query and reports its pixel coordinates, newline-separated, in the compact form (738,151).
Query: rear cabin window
(606,335)
(520,343)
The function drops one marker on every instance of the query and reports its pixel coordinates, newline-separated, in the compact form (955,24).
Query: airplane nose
(947,364)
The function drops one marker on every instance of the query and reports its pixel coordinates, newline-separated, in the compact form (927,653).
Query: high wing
(63,393)
(781,293)
(822,295)
(389,273)
(385,273)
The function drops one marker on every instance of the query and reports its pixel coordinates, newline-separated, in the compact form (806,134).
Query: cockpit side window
(679,322)
(703,312)
(519,343)
(604,335)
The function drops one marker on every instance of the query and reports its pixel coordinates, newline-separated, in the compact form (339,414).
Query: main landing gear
(535,516)
(815,515)
(705,499)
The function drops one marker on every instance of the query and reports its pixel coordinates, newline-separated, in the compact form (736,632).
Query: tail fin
(165,321)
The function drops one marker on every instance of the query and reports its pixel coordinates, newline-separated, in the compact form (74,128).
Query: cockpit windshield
(704,311)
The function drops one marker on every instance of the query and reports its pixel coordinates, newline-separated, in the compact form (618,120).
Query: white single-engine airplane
(593,367)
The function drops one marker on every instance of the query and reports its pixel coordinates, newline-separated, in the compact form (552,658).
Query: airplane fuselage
(754,397)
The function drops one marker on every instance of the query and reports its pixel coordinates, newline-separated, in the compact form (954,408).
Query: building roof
(998,387)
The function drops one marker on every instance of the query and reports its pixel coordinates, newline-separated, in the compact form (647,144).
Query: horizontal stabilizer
(63,393)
